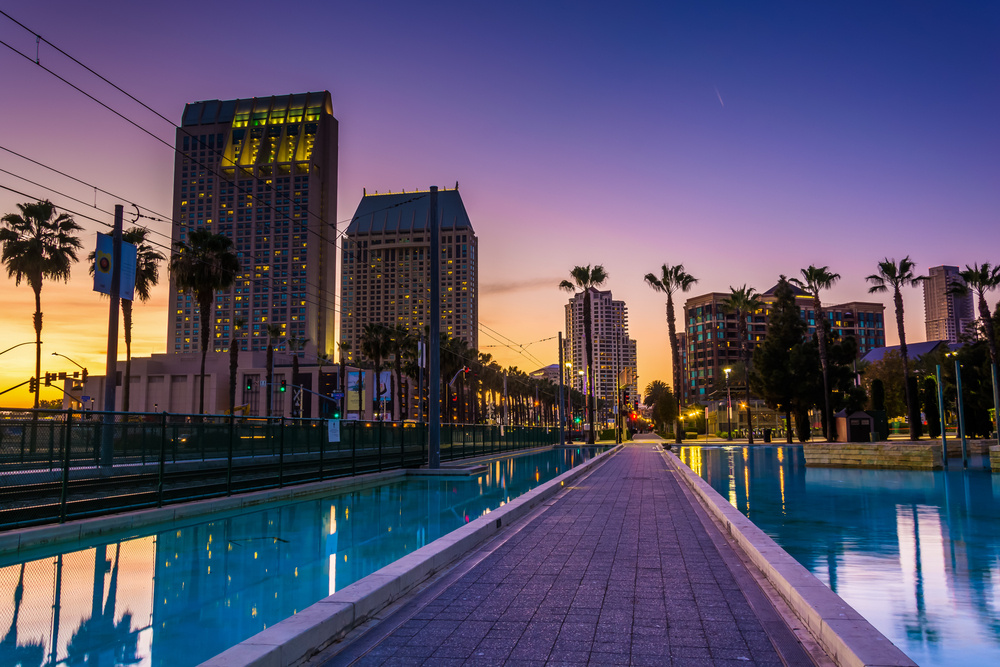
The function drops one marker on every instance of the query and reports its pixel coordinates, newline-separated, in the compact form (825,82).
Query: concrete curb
(298,637)
(847,637)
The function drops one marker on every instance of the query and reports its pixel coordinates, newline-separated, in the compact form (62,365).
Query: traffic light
(578,420)
(32,385)
(84,376)
(249,384)
(283,386)
(48,379)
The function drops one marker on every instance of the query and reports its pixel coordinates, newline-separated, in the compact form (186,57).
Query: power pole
(434,382)
(111,367)
(562,407)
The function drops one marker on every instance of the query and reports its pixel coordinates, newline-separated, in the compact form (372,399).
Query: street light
(30,342)
(56,354)
(729,406)
(960,405)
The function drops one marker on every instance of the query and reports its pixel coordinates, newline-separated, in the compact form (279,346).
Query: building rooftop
(264,110)
(406,212)
(913,350)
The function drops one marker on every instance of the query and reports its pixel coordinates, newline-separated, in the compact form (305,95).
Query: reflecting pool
(917,553)
(180,595)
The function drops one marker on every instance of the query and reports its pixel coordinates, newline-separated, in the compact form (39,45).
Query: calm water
(180,596)
(917,553)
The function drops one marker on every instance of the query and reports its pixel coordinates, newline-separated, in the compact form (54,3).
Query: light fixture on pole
(729,406)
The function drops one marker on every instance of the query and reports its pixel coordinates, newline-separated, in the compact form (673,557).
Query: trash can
(767,435)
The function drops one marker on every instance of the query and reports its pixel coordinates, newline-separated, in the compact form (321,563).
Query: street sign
(337,395)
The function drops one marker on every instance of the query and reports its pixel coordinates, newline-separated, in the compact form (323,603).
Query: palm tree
(203,265)
(745,301)
(147,276)
(585,279)
(981,279)
(38,244)
(234,361)
(401,344)
(814,280)
(274,333)
(295,346)
(343,348)
(896,275)
(375,345)
(671,279)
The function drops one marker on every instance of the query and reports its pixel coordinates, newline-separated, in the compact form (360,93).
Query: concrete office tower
(614,351)
(386,267)
(946,315)
(262,171)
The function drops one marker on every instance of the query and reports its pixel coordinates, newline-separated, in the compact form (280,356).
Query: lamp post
(729,406)
(960,405)
(30,342)
(56,354)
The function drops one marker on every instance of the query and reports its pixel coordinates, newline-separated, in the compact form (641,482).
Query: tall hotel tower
(386,267)
(262,171)
(614,351)
(946,315)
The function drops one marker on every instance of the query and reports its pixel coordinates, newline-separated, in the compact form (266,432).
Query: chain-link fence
(58,465)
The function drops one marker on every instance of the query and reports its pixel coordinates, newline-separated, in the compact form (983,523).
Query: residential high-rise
(386,267)
(946,315)
(614,351)
(262,171)
(713,338)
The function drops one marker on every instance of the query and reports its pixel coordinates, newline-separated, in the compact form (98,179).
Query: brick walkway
(618,570)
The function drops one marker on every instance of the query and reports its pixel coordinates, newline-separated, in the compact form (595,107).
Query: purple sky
(743,140)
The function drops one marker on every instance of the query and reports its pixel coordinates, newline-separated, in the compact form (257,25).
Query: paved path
(622,569)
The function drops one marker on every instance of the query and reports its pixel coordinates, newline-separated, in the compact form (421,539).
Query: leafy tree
(38,244)
(376,345)
(982,279)
(204,265)
(878,394)
(814,280)
(888,371)
(744,301)
(671,279)
(894,276)
(846,395)
(930,402)
(401,344)
(773,377)
(585,279)
(147,276)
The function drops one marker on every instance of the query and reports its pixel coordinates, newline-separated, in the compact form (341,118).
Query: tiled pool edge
(298,637)
(847,637)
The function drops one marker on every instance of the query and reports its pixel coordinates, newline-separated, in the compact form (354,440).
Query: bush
(722,434)
(606,434)
(691,435)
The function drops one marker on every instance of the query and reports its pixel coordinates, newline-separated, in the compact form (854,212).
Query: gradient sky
(743,140)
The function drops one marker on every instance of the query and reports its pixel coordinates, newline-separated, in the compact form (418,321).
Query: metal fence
(61,465)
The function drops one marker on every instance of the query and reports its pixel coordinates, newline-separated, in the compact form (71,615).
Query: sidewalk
(623,569)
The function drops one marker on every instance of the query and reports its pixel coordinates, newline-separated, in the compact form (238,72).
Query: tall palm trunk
(745,355)
(821,337)
(675,359)
(269,389)
(38,339)
(897,298)
(343,388)
(205,311)
(234,364)
(127,380)
(398,363)
(589,344)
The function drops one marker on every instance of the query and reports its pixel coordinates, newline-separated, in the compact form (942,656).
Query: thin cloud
(519,286)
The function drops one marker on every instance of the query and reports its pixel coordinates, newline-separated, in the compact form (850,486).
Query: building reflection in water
(182,595)
(917,553)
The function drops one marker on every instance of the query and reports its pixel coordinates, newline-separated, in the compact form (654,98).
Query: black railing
(62,465)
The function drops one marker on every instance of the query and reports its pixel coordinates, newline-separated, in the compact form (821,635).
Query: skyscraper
(945,315)
(262,171)
(614,351)
(386,267)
